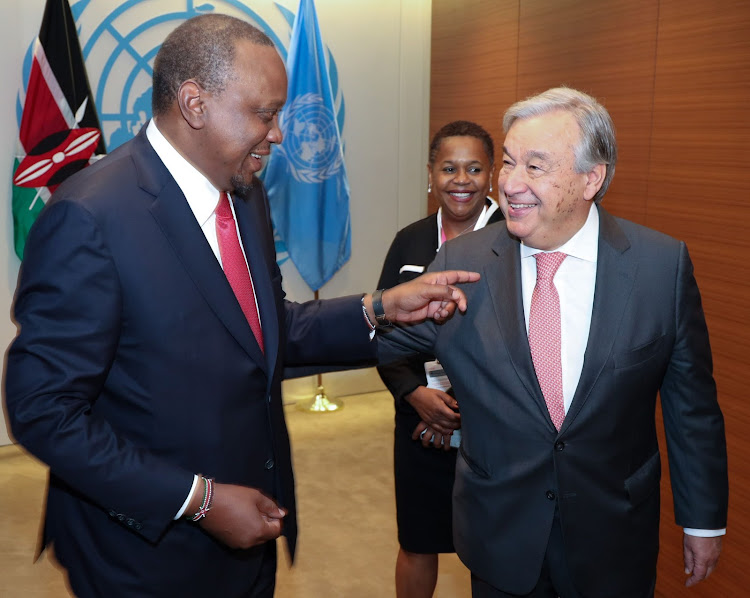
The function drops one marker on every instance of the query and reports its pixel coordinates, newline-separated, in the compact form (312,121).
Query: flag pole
(320,403)
(306,174)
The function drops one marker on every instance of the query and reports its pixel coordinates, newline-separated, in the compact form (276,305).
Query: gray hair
(201,48)
(598,144)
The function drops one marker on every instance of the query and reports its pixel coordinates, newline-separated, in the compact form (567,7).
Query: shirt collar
(201,195)
(584,245)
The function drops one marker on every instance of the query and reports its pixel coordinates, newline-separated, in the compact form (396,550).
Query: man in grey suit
(557,484)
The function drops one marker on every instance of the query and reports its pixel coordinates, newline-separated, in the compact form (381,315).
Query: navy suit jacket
(134,368)
(601,471)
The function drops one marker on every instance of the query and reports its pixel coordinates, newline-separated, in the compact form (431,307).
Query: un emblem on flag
(311,144)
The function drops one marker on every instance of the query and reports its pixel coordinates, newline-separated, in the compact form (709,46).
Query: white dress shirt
(575,281)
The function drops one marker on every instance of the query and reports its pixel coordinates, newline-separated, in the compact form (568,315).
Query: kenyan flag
(59,128)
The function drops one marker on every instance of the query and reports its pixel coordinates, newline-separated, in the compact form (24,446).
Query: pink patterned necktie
(235,267)
(544,334)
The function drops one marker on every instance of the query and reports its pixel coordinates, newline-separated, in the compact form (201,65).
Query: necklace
(444,237)
(471,226)
(467,229)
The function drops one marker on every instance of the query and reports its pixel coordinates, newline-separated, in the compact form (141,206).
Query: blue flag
(305,175)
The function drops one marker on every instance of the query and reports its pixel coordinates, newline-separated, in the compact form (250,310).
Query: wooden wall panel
(699,191)
(606,49)
(473,74)
(675,74)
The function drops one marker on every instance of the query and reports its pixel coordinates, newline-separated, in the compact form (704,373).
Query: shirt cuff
(704,533)
(187,500)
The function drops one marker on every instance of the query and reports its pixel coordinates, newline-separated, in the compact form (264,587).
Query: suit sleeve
(404,341)
(403,376)
(693,421)
(68,310)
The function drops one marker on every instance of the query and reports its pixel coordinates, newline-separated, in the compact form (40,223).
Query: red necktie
(235,267)
(544,334)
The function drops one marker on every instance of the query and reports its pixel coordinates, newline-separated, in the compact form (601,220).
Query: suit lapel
(173,215)
(503,277)
(615,275)
(256,237)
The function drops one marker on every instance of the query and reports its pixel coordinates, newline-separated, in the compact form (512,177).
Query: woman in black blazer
(460,169)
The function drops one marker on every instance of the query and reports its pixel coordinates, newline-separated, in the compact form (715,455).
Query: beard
(240,186)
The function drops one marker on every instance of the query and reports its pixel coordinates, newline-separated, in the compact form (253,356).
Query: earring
(429,187)
(490,186)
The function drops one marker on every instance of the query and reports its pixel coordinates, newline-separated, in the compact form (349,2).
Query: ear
(429,176)
(191,99)
(594,181)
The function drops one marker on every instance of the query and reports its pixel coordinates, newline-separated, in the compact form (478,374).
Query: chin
(241,186)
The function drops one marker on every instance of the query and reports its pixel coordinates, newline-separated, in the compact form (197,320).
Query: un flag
(305,175)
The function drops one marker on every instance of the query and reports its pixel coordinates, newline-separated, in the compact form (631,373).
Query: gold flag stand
(320,403)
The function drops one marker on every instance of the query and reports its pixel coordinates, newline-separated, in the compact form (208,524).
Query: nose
(511,180)
(461,177)
(274,134)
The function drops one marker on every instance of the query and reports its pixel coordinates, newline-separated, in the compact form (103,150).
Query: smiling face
(240,123)
(460,178)
(545,201)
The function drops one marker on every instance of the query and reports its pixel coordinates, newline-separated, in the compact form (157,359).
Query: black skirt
(424,488)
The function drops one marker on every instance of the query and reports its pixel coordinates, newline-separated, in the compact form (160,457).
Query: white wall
(382,50)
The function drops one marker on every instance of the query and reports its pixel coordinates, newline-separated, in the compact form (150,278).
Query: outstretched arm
(431,295)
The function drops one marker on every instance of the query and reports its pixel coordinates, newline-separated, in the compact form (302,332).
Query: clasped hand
(439,413)
(242,517)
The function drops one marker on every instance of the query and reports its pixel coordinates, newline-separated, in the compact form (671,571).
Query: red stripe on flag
(41,114)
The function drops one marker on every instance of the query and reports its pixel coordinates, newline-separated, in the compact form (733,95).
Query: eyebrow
(461,161)
(531,154)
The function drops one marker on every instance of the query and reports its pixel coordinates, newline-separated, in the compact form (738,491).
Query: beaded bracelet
(370,325)
(208,499)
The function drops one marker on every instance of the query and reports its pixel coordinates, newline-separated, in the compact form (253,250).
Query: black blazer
(648,336)
(134,368)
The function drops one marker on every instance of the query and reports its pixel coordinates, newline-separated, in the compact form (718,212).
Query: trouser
(555,580)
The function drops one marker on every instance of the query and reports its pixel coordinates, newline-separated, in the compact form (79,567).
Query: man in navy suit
(136,375)
(557,484)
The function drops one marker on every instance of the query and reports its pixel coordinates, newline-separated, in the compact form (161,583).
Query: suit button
(559,446)
(138,526)
(112,514)
(269,464)
(130,522)
(550,495)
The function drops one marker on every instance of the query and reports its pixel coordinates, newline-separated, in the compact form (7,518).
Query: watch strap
(377,307)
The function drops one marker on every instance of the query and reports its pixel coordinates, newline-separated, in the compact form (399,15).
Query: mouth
(519,209)
(256,159)
(461,196)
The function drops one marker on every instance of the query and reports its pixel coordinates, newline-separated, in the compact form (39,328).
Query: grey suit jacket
(602,470)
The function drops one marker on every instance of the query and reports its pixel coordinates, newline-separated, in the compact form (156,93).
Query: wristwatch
(377,307)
